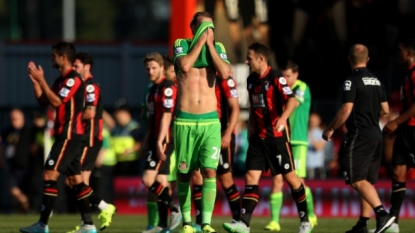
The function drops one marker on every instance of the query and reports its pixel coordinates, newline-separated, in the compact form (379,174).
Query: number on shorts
(150,153)
(279,159)
(216,153)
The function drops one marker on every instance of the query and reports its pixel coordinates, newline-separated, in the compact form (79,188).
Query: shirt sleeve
(92,95)
(68,88)
(299,93)
(349,91)
(222,52)
(229,88)
(180,48)
(284,89)
(169,94)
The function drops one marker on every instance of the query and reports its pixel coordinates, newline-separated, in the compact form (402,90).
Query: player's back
(369,93)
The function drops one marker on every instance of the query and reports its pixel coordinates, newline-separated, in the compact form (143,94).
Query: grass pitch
(136,224)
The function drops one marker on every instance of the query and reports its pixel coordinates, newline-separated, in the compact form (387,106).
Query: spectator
(315,153)
(127,138)
(16,140)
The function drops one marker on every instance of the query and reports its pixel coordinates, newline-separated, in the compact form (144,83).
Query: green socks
(152,214)
(276,204)
(208,199)
(310,202)
(185,200)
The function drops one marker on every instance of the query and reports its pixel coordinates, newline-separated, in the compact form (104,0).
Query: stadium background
(119,33)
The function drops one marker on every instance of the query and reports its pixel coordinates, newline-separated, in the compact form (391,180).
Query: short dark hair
(85,58)
(358,53)
(200,14)
(168,61)
(65,49)
(290,64)
(409,44)
(260,49)
(154,57)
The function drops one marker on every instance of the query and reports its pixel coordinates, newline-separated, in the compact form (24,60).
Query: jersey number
(150,153)
(216,153)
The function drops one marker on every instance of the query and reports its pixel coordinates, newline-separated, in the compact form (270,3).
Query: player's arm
(164,127)
(108,120)
(184,59)
(289,97)
(408,114)
(91,101)
(384,106)
(40,97)
(49,95)
(349,95)
(220,59)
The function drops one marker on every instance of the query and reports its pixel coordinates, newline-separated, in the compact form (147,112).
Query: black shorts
(360,159)
(65,157)
(89,156)
(404,147)
(152,163)
(226,158)
(276,157)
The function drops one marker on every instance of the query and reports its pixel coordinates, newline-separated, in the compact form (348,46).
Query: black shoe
(358,229)
(383,223)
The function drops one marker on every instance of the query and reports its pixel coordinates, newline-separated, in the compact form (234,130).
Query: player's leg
(300,160)
(287,169)
(209,153)
(224,173)
(50,191)
(152,210)
(155,179)
(276,198)
(184,150)
(361,163)
(80,190)
(255,164)
(197,185)
(87,165)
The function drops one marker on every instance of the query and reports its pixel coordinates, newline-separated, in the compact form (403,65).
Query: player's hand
(226,140)
(327,134)
(210,37)
(203,38)
(281,125)
(31,64)
(160,152)
(391,127)
(36,73)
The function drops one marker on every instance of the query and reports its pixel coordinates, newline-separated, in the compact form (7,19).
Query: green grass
(129,223)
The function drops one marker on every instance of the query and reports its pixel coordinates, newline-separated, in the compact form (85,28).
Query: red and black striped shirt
(408,93)
(161,99)
(225,89)
(68,123)
(93,97)
(268,96)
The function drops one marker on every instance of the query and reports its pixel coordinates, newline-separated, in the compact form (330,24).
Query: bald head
(358,54)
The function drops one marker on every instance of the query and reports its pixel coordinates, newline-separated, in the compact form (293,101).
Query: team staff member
(67,96)
(228,111)
(364,101)
(93,123)
(272,102)
(404,128)
(158,143)
(299,142)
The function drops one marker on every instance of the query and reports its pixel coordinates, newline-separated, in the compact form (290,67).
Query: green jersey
(299,117)
(181,48)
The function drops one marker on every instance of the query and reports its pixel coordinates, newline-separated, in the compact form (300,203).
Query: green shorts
(173,168)
(300,159)
(197,140)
